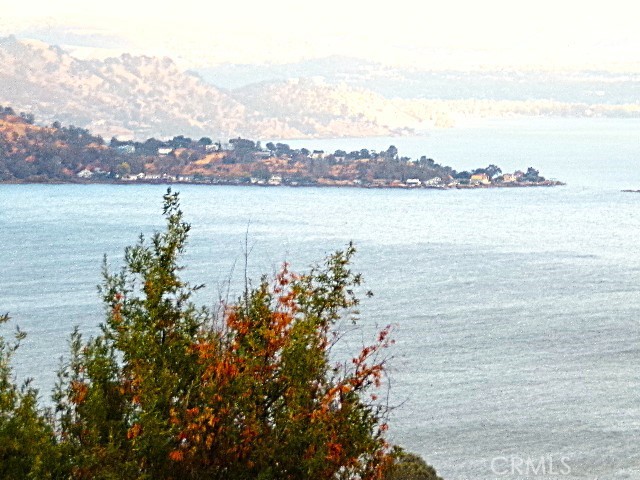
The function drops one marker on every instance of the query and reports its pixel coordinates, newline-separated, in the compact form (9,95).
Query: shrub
(170,390)
(27,443)
(409,466)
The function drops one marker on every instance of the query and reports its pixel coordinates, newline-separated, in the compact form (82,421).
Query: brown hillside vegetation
(30,153)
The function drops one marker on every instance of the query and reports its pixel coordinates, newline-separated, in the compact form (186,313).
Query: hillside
(31,153)
(312,106)
(560,86)
(138,97)
(43,154)
(141,97)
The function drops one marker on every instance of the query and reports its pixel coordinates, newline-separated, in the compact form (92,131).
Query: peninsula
(62,154)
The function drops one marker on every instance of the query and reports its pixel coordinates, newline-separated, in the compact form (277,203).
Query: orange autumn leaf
(134,431)
(176,455)
(79,392)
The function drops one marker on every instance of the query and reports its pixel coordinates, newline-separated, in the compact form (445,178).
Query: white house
(84,173)
(432,182)
(126,148)
(275,180)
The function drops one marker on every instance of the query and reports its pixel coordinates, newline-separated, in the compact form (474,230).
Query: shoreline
(546,183)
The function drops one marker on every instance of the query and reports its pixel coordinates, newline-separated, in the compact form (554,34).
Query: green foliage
(27,443)
(169,390)
(409,466)
(532,175)
(123,169)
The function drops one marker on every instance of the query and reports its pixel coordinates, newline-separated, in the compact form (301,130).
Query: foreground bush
(27,441)
(409,466)
(168,390)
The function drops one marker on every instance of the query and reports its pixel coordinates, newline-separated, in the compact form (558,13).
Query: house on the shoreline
(275,180)
(479,179)
(433,182)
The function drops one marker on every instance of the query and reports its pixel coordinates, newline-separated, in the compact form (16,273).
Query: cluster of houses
(476,180)
(86,173)
(484,179)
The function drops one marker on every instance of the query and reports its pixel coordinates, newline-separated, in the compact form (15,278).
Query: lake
(516,310)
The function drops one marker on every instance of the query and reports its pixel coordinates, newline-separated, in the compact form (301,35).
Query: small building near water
(479,179)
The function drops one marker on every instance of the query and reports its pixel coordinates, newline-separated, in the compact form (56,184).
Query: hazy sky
(423,33)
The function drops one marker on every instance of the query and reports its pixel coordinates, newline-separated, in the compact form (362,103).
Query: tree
(27,442)
(123,169)
(29,118)
(426,162)
(180,141)
(170,390)
(242,144)
(533,175)
(282,149)
(205,141)
(493,171)
(392,152)
(409,466)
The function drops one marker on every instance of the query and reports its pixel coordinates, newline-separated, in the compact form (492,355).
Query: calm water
(517,310)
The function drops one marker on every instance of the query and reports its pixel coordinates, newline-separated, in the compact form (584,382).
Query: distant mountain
(144,96)
(334,69)
(587,87)
(140,97)
(310,105)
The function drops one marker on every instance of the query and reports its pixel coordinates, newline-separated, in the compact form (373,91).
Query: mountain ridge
(137,97)
(140,96)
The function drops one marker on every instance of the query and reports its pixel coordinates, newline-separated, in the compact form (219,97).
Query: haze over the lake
(456,34)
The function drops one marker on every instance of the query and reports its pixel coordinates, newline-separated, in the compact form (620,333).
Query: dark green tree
(493,171)
(532,175)
(409,466)
(392,152)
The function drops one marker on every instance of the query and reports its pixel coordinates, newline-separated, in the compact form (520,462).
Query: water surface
(516,309)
